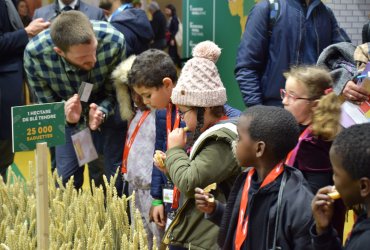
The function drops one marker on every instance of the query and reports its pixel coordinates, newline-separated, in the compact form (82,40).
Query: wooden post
(42,196)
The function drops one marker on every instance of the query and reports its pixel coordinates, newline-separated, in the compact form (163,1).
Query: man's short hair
(352,146)
(150,68)
(276,127)
(71,28)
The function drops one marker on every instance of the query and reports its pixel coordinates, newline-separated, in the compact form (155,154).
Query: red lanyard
(169,128)
(130,141)
(290,159)
(169,120)
(242,227)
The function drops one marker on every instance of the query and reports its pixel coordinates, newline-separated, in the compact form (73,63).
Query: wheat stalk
(84,219)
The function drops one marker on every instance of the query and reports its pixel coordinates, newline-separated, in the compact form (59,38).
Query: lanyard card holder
(167,191)
(84,146)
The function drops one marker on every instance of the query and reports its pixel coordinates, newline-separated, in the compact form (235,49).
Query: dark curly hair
(149,69)
(172,8)
(276,127)
(352,146)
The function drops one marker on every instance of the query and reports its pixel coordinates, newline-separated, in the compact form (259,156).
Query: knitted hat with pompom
(199,84)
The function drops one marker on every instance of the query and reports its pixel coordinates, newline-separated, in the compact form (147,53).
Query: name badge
(84,147)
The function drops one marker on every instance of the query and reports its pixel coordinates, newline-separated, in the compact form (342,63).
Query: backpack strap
(274,7)
(278,212)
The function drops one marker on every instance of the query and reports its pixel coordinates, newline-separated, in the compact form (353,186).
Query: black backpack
(366,33)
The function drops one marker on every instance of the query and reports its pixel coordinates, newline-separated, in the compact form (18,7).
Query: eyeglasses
(182,114)
(284,94)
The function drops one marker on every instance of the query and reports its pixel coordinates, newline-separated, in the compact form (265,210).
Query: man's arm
(338,34)
(14,42)
(42,90)
(253,54)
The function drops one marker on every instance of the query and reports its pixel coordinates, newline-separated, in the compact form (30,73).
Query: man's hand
(73,109)
(322,209)
(96,116)
(354,93)
(36,26)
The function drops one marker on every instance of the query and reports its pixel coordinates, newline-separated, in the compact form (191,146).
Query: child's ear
(314,104)
(167,82)
(260,149)
(365,187)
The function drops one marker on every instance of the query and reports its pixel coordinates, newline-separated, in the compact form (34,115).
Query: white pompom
(208,50)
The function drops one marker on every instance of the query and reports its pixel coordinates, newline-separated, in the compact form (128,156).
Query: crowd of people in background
(205,175)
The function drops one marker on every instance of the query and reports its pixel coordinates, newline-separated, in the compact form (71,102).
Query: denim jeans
(108,141)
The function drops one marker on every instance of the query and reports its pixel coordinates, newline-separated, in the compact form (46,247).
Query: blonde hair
(326,115)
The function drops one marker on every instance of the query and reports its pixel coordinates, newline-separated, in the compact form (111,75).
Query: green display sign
(32,124)
(199,21)
(223,22)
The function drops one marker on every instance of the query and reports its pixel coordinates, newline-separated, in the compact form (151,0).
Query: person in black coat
(269,204)
(159,24)
(350,157)
(13,39)
(173,28)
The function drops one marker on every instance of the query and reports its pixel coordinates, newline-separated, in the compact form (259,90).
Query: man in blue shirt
(49,12)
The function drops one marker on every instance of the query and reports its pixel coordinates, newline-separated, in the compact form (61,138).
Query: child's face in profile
(189,116)
(157,98)
(348,188)
(301,109)
(244,149)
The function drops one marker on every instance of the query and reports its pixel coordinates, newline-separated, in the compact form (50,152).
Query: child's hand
(156,215)
(204,201)
(158,159)
(322,209)
(177,138)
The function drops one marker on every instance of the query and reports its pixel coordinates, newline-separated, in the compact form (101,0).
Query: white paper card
(84,147)
(85,91)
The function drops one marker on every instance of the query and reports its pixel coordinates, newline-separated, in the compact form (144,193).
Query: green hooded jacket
(211,160)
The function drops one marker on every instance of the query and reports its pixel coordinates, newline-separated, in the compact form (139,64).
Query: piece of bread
(208,189)
(334,195)
(159,159)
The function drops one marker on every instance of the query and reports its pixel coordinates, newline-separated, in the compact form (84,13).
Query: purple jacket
(313,155)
